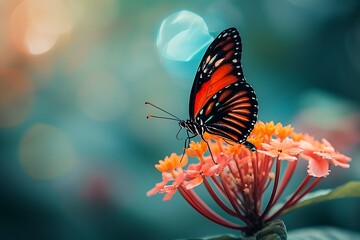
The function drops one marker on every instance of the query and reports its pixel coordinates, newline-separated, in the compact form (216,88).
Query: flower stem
(276,182)
(285,180)
(204,210)
(217,199)
(255,190)
(288,202)
(311,187)
(232,200)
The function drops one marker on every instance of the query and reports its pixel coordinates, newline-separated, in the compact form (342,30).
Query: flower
(196,149)
(166,177)
(283,150)
(283,132)
(237,178)
(320,156)
(172,162)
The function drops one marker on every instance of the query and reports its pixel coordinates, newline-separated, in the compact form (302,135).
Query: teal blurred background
(77,152)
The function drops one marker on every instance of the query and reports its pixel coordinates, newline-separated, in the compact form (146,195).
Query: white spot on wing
(218,62)
(208,59)
(212,59)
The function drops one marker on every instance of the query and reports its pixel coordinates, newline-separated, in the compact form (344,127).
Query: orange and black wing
(220,99)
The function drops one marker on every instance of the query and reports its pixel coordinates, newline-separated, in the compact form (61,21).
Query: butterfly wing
(220,99)
(232,113)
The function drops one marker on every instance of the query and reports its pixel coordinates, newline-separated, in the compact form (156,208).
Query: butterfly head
(182,124)
(191,126)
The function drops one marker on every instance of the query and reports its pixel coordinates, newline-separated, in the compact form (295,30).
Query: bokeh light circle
(16,97)
(35,25)
(102,97)
(46,152)
(182,35)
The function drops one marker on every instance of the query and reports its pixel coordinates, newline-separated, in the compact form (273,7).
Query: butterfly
(222,103)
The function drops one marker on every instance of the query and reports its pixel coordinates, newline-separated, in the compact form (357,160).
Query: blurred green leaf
(350,189)
(322,233)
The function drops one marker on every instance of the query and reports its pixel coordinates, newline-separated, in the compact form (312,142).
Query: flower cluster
(237,178)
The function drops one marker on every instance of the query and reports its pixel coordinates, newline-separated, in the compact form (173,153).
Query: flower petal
(271,153)
(169,194)
(285,156)
(318,167)
(194,182)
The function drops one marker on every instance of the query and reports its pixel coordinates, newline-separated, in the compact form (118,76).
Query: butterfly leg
(212,157)
(186,143)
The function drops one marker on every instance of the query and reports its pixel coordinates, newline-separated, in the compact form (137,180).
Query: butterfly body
(222,103)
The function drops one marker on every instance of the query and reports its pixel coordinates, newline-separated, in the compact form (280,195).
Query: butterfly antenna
(176,118)
(161,117)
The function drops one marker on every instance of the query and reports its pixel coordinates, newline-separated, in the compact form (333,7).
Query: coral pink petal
(194,182)
(318,167)
(341,161)
(169,194)
(153,191)
(156,189)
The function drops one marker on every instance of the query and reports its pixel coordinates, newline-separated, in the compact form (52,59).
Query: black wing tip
(249,146)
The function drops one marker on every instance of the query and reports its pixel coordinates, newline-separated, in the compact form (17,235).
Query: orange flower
(297,136)
(172,162)
(256,140)
(270,128)
(196,149)
(283,132)
(258,128)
